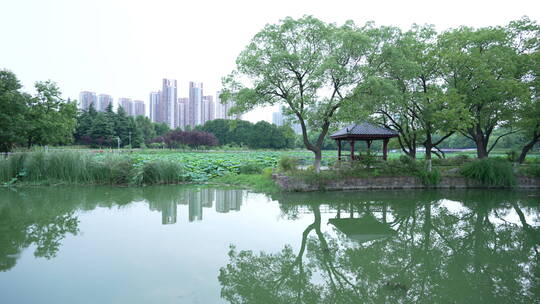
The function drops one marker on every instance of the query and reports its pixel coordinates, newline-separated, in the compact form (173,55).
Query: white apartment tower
(86,99)
(155,98)
(104,101)
(195,105)
(168,103)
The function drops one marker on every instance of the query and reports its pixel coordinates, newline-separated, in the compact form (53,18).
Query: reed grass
(491,172)
(72,167)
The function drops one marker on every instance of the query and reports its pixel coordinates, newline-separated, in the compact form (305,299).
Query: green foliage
(512,155)
(429,178)
(308,66)
(491,172)
(250,168)
(159,172)
(531,170)
(12,111)
(288,163)
(50,120)
(451,161)
(261,135)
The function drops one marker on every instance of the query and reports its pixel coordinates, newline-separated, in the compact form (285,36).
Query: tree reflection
(443,252)
(44,217)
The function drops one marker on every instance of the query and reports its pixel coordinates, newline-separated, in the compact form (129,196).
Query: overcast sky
(124,48)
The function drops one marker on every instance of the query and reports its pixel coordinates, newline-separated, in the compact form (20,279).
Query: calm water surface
(185,244)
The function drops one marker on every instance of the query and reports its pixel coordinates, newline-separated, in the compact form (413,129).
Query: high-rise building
(222,109)
(194,108)
(155,98)
(104,101)
(168,103)
(208,110)
(86,99)
(279,119)
(139,108)
(182,112)
(126,104)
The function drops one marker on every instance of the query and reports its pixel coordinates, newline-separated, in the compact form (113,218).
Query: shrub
(451,161)
(429,178)
(405,159)
(158,172)
(250,168)
(267,172)
(368,159)
(532,170)
(287,163)
(491,172)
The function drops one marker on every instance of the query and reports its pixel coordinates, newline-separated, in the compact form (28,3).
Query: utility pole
(130,139)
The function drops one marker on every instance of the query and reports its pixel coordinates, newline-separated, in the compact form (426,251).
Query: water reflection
(426,247)
(43,217)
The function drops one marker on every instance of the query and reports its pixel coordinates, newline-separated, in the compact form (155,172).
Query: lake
(198,244)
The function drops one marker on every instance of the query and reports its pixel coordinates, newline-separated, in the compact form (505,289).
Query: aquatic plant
(491,172)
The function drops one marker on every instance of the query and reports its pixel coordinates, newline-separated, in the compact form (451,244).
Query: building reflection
(168,214)
(197,200)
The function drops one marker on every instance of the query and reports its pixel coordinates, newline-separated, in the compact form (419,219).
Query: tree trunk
(527,148)
(317,162)
(481,146)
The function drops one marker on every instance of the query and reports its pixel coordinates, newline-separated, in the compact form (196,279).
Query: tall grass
(491,172)
(71,167)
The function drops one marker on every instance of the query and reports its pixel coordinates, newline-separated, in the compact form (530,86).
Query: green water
(179,244)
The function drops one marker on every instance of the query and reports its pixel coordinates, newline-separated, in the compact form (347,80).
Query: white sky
(124,48)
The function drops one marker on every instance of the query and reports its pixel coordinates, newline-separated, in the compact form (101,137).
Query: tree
(121,126)
(309,66)
(405,91)
(481,67)
(161,128)
(525,35)
(101,131)
(49,119)
(135,133)
(147,127)
(12,111)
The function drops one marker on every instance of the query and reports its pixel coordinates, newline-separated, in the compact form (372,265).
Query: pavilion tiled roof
(364,129)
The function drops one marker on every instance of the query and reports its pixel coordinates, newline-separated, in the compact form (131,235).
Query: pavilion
(366,132)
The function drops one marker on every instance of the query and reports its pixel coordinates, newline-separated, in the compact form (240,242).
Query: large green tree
(49,119)
(481,66)
(404,91)
(12,111)
(147,128)
(308,66)
(525,35)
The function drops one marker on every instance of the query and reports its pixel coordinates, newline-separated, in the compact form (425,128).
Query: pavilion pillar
(352,149)
(385,148)
(339,149)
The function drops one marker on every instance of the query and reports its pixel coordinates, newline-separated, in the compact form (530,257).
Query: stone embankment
(289,183)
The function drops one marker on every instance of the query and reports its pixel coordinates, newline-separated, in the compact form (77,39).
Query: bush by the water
(250,168)
(287,163)
(491,172)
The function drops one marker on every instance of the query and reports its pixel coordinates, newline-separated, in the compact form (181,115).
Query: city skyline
(165,105)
